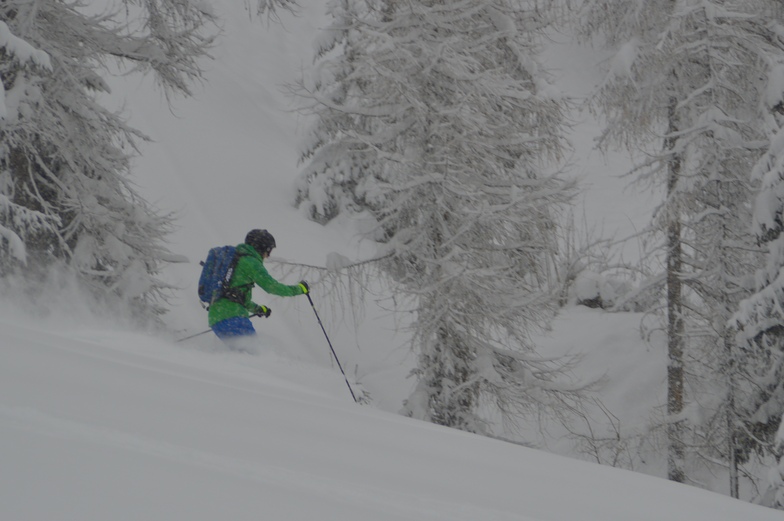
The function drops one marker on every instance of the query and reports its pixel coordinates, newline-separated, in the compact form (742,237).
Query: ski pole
(194,336)
(330,346)
(208,330)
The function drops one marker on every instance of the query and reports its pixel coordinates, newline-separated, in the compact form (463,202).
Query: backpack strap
(237,294)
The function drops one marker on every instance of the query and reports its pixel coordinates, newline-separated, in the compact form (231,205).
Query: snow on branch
(15,244)
(24,54)
(769,203)
(21,50)
(21,218)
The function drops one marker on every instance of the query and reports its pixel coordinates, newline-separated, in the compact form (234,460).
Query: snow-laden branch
(21,50)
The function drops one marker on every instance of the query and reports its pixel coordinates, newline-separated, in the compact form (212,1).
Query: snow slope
(99,423)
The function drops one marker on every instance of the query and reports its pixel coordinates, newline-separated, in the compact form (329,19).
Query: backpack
(216,273)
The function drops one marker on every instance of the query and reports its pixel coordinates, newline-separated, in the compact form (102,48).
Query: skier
(229,315)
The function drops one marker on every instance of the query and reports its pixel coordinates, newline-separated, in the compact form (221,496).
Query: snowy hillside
(100,423)
(97,424)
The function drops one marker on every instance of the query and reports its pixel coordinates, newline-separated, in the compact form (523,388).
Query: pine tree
(436,121)
(777,473)
(65,195)
(759,317)
(341,171)
(685,79)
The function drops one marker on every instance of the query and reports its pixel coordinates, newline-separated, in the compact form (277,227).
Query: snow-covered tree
(342,170)
(436,121)
(685,85)
(65,194)
(760,318)
(776,479)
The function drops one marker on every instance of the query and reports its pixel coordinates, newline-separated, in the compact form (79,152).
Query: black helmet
(261,240)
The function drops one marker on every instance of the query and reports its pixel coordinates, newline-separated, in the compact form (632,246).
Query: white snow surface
(99,422)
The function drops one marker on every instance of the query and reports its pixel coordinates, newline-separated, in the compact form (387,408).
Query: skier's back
(229,316)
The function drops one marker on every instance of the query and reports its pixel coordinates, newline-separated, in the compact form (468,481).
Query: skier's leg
(237,333)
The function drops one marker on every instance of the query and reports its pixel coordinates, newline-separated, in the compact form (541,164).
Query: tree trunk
(732,438)
(676,453)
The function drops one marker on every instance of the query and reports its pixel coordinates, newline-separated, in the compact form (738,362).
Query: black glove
(305,287)
(263,311)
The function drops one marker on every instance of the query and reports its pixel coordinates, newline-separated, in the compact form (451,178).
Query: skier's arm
(270,285)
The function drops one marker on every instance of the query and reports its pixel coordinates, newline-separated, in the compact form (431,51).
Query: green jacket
(250,270)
